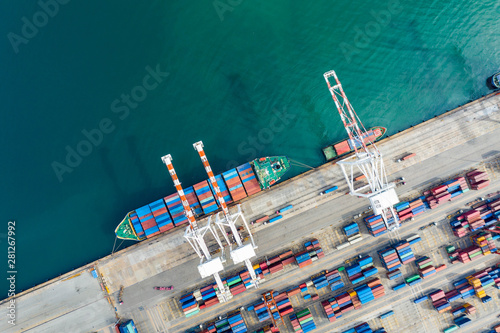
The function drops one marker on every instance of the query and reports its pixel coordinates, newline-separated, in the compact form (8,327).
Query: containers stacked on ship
(223,190)
(448,191)
(302,321)
(161,215)
(205,197)
(375,225)
(193,201)
(148,222)
(136,224)
(234,184)
(176,209)
(189,304)
(439,301)
(425,267)
(352,232)
(361,269)
(389,258)
(478,179)
(250,182)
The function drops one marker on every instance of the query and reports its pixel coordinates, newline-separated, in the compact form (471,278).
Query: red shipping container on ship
(234,184)
(149,223)
(342,147)
(248,178)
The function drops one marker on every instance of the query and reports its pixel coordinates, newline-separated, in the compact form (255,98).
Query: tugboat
(494,81)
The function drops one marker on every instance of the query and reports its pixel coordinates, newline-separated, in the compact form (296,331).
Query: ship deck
(466,137)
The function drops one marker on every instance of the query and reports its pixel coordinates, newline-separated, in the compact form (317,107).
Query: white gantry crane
(242,253)
(195,236)
(367,160)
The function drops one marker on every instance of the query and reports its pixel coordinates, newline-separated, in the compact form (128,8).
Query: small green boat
(344,147)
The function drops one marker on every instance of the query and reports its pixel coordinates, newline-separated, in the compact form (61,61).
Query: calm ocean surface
(147,79)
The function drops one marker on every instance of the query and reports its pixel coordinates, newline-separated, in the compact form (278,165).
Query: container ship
(344,147)
(235,184)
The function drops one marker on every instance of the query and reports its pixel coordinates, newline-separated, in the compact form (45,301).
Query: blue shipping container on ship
(176,209)
(206,199)
(223,189)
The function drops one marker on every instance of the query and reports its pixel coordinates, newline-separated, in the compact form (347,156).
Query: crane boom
(352,123)
(167,159)
(367,159)
(242,253)
(195,236)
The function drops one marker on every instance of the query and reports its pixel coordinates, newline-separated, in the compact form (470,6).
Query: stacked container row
(389,258)
(233,323)
(448,191)
(425,267)
(312,253)
(352,232)
(361,269)
(302,321)
(352,299)
(250,182)
(375,225)
(478,179)
(487,214)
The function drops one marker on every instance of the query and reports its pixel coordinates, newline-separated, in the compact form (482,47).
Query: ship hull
(236,184)
(344,147)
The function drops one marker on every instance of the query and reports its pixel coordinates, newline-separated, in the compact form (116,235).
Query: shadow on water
(110,172)
(239,93)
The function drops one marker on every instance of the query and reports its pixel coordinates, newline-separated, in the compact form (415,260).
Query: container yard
(415,279)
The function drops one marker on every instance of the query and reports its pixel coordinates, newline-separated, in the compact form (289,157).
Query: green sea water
(94,93)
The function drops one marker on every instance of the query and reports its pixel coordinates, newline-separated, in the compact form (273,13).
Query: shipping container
(223,190)
(247,176)
(234,184)
(205,197)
